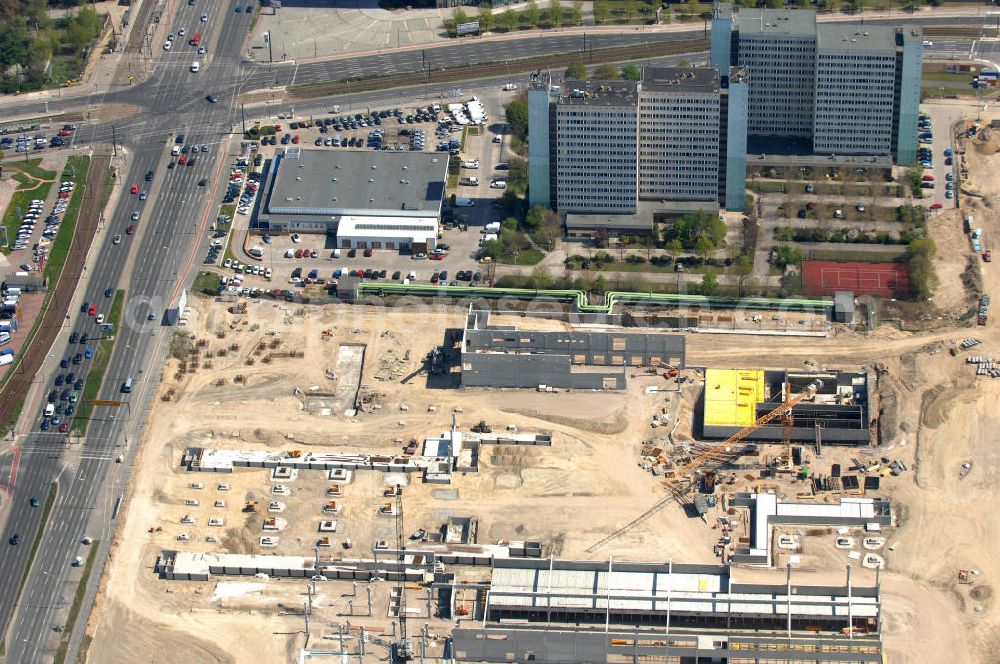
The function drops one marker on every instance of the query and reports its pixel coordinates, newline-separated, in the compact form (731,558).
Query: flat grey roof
(799,22)
(599,93)
(682,79)
(855,37)
(609,221)
(345,182)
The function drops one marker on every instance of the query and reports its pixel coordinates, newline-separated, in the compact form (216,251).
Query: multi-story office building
(841,89)
(596,146)
(676,138)
(679,116)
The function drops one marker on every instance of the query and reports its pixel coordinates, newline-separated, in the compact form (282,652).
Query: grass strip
(49,502)
(98,367)
(32,167)
(206,283)
(79,166)
(74,609)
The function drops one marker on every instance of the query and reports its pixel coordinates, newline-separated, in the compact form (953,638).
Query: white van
(176,150)
(50,409)
(336,253)
(195,66)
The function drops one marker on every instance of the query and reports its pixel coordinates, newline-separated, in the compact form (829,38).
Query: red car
(298,253)
(295,139)
(130,229)
(92,310)
(135,189)
(936,206)
(368,253)
(183,160)
(65,132)
(64,427)
(277,127)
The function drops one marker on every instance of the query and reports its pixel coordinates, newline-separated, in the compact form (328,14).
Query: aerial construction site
(326,476)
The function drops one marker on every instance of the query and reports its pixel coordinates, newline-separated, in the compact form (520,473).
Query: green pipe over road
(579,298)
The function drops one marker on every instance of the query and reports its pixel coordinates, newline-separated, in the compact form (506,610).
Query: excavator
(677,482)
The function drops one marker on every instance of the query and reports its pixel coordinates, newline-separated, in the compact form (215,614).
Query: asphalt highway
(149,266)
(153,264)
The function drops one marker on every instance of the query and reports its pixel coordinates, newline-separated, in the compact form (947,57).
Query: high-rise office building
(671,138)
(596,146)
(842,89)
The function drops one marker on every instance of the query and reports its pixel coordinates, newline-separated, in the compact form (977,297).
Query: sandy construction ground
(568,496)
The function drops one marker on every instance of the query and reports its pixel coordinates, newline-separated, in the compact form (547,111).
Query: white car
(100,318)
(472,163)
(204,17)
(510,86)
(498,184)
(296,237)
(166,45)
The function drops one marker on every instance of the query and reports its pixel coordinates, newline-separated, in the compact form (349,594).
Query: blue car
(89,353)
(239,8)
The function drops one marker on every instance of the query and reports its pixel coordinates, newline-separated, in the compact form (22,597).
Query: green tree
(704,247)
(517,116)
(510,19)
(491,249)
(785,255)
(709,284)
(556,13)
(541,278)
(485,17)
(576,71)
(690,228)
(532,13)
(600,11)
(631,73)
(459,16)
(576,13)
(674,248)
(743,267)
(600,284)
(923,277)
(607,72)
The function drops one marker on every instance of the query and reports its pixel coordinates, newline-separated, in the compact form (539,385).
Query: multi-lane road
(152,265)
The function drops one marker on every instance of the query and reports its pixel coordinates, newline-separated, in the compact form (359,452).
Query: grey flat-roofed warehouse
(370,199)
(503,356)
(350,182)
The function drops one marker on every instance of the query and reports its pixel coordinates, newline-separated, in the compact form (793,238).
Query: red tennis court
(826,277)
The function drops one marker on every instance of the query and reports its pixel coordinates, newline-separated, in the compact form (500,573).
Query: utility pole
(243,117)
(114,141)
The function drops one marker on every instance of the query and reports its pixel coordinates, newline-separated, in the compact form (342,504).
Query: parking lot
(291,258)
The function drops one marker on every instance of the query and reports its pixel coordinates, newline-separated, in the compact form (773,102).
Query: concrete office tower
(733,169)
(855,82)
(596,147)
(840,89)
(679,120)
(540,120)
(778,49)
